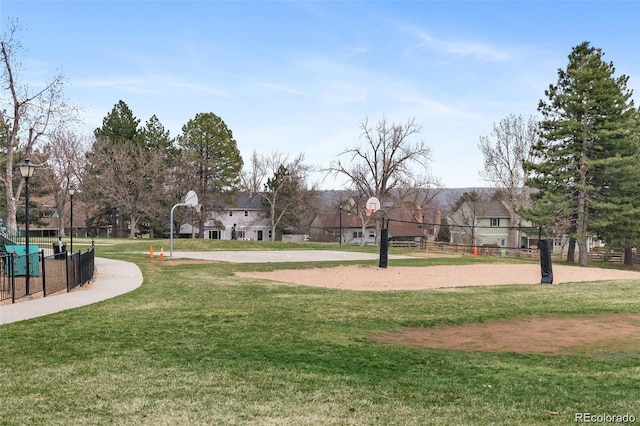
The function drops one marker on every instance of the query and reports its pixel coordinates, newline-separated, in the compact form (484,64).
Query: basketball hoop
(372,206)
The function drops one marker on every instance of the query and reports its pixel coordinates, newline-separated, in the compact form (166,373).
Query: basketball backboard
(372,206)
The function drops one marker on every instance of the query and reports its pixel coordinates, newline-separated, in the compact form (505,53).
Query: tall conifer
(587,122)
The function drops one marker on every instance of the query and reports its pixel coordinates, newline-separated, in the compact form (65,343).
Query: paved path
(113,278)
(267,256)
(116,277)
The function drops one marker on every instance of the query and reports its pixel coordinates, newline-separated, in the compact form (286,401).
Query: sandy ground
(548,335)
(372,278)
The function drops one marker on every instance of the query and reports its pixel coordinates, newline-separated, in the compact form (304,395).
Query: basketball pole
(545,248)
(384,244)
(373,205)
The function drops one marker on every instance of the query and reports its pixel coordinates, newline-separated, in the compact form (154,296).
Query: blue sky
(301,76)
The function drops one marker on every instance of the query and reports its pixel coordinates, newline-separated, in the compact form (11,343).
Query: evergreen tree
(444,233)
(211,155)
(586,120)
(123,175)
(158,142)
(119,126)
(616,217)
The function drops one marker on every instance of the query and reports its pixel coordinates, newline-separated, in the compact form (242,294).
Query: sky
(303,76)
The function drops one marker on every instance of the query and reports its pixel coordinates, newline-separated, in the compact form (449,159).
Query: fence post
(44,274)
(66,270)
(13,279)
(79,269)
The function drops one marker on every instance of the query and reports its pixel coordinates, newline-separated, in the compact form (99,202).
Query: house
(343,227)
(480,223)
(248,218)
(406,223)
(487,223)
(46,220)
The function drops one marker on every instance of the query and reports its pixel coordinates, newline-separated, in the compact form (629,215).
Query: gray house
(248,218)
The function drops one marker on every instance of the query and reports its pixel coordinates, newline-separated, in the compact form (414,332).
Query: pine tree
(444,233)
(616,217)
(211,155)
(123,175)
(586,122)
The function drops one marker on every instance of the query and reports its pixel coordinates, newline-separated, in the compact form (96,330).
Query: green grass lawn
(196,345)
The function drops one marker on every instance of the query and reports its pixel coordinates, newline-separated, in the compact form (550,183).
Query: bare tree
(505,152)
(125,177)
(387,160)
(466,211)
(282,183)
(64,167)
(24,111)
(354,203)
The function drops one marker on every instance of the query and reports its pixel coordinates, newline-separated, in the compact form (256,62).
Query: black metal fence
(47,274)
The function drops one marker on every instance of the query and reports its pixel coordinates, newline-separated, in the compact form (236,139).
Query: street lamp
(26,170)
(72,192)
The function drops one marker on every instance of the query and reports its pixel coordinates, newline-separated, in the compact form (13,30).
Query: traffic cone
(151,252)
(161,255)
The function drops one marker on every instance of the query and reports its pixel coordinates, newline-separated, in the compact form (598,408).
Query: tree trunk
(132,226)
(61,232)
(11,222)
(571,251)
(628,256)
(514,238)
(582,256)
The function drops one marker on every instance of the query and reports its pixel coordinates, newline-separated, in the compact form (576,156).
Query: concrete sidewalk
(112,278)
(116,277)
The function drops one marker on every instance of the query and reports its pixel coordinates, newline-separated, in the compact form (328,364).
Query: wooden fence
(431,246)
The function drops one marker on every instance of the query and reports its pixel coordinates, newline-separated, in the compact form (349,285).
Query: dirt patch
(549,335)
(371,278)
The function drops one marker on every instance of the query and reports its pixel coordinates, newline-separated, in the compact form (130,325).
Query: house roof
(332,220)
(405,229)
(491,209)
(249,201)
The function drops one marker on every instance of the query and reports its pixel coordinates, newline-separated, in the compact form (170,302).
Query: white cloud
(283,89)
(482,52)
(127,84)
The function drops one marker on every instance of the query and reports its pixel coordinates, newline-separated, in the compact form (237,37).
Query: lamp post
(72,192)
(26,170)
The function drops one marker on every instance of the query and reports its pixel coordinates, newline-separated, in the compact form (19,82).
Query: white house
(248,216)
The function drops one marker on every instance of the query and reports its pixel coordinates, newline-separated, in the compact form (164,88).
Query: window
(230,213)
(495,222)
(241,235)
(246,213)
(372,234)
(214,235)
(357,234)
